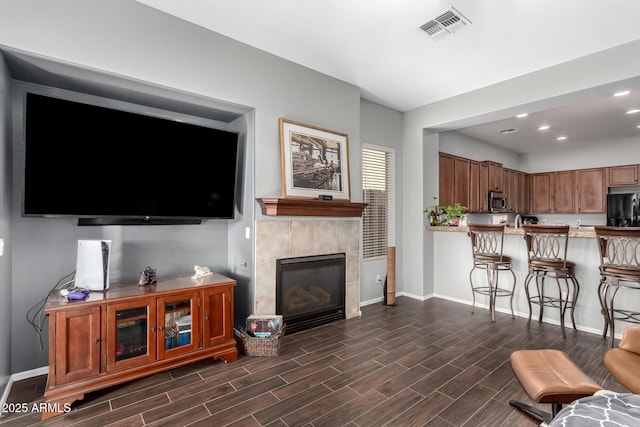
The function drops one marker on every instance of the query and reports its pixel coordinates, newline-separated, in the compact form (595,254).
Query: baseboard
(526,316)
(30,374)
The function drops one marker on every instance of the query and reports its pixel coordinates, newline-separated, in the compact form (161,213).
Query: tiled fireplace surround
(277,239)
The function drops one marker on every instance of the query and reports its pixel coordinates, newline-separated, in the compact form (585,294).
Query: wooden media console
(130,331)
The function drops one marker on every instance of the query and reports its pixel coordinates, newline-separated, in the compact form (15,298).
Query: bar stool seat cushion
(620,270)
(493,258)
(555,264)
(550,376)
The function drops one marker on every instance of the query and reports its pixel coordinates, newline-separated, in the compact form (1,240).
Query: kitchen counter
(573,232)
(452,264)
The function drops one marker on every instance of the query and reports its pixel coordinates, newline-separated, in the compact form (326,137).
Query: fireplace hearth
(310,290)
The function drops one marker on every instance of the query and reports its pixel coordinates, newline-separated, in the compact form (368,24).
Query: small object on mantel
(201,272)
(147,277)
(325,197)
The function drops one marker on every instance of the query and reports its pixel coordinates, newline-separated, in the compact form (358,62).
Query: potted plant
(455,213)
(435,213)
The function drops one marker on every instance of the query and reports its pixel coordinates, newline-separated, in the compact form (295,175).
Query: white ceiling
(377,45)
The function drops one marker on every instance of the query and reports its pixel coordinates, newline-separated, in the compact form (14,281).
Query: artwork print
(314,161)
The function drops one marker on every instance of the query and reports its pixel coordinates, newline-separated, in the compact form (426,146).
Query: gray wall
(5,215)
(462,145)
(382,126)
(544,89)
(125,38)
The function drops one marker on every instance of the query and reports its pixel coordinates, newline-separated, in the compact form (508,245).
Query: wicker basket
(262,346)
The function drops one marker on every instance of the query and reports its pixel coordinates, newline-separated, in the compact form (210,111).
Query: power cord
(35,315)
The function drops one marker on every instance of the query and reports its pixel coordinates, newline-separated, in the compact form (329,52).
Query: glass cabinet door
(178,324)
(131,333)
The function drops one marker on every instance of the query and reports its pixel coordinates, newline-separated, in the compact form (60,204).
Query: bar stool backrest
(619,249)
(547,243)
(486,240)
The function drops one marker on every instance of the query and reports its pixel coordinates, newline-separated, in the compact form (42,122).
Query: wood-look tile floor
(430,363)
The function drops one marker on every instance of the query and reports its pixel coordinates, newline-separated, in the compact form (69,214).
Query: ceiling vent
(448,22)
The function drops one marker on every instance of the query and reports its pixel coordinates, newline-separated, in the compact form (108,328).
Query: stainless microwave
(497,202)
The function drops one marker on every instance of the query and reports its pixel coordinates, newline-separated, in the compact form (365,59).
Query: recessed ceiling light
(561,138)
(622,93)
(545,127)
(522,115)
(633,111)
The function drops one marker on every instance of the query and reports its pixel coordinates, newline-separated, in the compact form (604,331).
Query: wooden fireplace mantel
(310,207)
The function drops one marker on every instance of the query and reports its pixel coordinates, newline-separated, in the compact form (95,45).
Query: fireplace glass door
(310,291)
(131,333)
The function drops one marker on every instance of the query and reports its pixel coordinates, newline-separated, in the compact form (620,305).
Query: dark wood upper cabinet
(475,205)
(461,181)
(592,191)
(496,176)
(564,187)
(540,192)
(623,175)
(445,179)
(468,182)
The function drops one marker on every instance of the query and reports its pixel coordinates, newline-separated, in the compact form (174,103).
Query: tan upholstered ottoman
(550,376)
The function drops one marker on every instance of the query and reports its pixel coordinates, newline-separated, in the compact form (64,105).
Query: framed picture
(315,161)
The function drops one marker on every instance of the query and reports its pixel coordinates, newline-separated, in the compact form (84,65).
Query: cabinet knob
(153,329)
(96,340)
(206,317)
(161,328)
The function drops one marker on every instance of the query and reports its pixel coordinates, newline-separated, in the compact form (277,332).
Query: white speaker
(92,265)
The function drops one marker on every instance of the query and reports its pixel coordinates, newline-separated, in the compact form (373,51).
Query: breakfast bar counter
(573,232)
(452,264)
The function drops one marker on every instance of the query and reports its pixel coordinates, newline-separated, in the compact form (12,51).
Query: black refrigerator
(623,210)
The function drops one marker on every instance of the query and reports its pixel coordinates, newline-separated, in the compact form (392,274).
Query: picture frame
(315,161)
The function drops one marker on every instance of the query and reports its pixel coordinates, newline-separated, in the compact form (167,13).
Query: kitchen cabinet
(623,175)
(516,191)
(461,181)
(468,182)
(445,179)
(592,190)
(483,187)
(573,191)
(474,182)
(496,176)
(553,192)
(523,192)
(454,180)
(131,331)
(563,192)
(512,189)
(540,192)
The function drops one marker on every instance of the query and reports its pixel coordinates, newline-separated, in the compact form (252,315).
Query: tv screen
(89,161)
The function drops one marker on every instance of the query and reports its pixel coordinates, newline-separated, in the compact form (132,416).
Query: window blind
(376,192)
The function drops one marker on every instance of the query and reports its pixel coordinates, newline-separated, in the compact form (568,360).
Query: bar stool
(486,245)
(547,248)
(619,249)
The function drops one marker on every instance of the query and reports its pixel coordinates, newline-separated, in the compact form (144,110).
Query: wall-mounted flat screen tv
(110,166)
